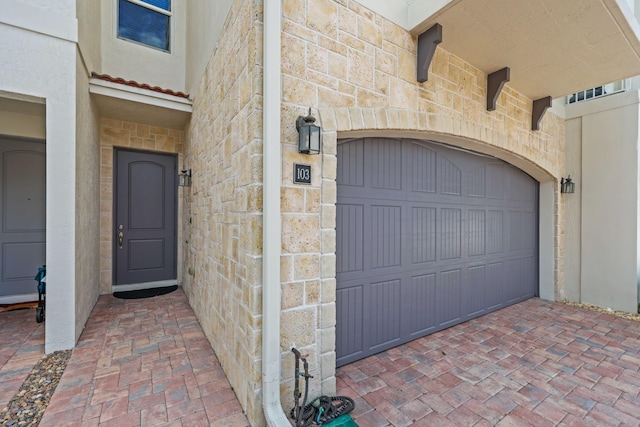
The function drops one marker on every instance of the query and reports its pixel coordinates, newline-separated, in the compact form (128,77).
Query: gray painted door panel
(427,237)
(23,212)
(146,210)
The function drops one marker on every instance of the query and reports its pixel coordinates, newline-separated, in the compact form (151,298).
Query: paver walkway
(533,364)
(143,362)
(21,346)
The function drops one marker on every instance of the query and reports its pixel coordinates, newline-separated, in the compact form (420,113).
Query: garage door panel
(495,279)
(475,291)
(349,238)
(513,280)
(476,182)
(350,171)
(522,231)
(423,235)
(349,314)
(386,236)
(421,300)
(495,232)
(450,233)
(423,169)
(521,188)
(476,233)
(449,177)
(383,164)
(445,237)
(448,294)
(496,181)
(529,276)
(382,322)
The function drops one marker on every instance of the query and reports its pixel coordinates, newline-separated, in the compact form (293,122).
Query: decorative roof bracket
(539,108)
(427,43)
(495,82)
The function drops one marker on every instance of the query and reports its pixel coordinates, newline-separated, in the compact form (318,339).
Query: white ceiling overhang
(552,47)
(135,104)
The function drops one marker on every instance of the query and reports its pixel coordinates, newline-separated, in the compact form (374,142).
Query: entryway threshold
(144,285)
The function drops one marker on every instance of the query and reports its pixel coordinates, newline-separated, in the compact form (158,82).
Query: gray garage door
(427,237)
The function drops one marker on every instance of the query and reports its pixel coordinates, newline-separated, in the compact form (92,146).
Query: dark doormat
(145,293)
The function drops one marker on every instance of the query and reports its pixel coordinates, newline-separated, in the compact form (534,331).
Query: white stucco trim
(142,96)
(39,20)
(598,105)
(42,66)
(408,14)
(420,10)
(14,299)
(546,239)
(272,217)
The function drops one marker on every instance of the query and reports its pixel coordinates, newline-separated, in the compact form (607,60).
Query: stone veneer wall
(358,72)
(222,217)
(137,136)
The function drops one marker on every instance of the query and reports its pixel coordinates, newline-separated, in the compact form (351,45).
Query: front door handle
(120,236)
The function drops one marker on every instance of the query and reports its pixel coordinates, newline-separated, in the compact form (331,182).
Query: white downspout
(271,218)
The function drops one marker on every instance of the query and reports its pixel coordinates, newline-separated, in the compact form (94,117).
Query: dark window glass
(144,25)
(162,4)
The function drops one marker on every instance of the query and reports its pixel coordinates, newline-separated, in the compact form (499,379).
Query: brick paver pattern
(143,362)
(536,363)
(21,347)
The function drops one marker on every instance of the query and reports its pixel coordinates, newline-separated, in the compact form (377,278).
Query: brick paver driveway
(533,364)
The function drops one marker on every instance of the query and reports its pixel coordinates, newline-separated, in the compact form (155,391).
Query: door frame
(114,266)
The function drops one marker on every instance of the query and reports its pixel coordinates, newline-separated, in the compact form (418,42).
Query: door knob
(120,236)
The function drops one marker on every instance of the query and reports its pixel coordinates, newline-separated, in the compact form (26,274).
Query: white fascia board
(419,11)
(632,32)
(408,14)
(605,103)
(142,96)
(32,18)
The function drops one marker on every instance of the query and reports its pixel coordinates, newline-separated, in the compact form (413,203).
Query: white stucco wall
(133,61)
(206,19)
(67,7)
(89,29)
(607,132)
(42,65)
(572,211)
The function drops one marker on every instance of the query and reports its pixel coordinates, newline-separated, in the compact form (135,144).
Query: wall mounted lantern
(567,185)
(309,135)
(184,178)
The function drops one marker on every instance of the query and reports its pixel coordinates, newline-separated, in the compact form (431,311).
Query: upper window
(145,21)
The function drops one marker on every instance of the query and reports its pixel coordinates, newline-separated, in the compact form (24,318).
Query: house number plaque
(301,174)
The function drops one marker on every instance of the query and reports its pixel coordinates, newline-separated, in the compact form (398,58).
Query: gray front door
(427,237)
(23,213)
(145,219)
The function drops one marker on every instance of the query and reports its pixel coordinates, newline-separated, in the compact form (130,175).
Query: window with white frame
(145,21)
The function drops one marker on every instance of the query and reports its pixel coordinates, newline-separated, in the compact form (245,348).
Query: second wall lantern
(567,185)
(309,135)
(184,178)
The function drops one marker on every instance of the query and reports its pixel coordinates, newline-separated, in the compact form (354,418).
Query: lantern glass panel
(569,186)
(303,145)
(315,138)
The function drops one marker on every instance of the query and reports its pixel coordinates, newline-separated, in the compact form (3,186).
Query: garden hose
(323,410)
